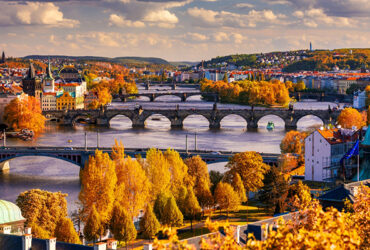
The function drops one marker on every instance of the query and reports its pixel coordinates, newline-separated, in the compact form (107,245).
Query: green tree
(191,207)
(275,190)
(215,177)
(160,204)
(122,225)
(66,232)
(149,223)
(172,215)
(94,227)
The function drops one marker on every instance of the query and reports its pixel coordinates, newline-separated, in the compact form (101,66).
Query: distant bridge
(214,116)
(182,94)
(79,155)
(173,86)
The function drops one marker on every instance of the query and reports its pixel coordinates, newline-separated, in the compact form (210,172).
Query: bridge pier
(104,122)
(215,124)
(138,124)
(147,86)
(152,97)
(4,167)
(177,123)
(67,122)
(252,124)
(173,87)
(183,97)
(290,127)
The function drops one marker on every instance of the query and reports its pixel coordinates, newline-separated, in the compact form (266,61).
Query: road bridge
(79,155)
(173,86)
(177,116)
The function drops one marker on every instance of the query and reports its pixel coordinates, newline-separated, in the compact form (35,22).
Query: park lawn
(196,232)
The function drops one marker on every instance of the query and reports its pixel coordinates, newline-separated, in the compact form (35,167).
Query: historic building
(11,218)
(31,84)
(68,101)
(3,59)
(48,82)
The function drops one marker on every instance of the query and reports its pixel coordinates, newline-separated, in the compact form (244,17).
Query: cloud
(341,8)
(119,21)
(34,13)
(314,18)
(213,18)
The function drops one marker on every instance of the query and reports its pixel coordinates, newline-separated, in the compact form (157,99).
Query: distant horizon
(193,61)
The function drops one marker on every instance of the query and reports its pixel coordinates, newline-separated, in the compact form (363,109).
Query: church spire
(31,72)
(48,71)
(3,57)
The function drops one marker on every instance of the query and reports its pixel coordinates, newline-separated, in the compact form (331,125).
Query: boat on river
(270,125)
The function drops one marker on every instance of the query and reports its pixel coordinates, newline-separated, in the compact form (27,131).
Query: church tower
(31,84)
(3,58)
(48,83)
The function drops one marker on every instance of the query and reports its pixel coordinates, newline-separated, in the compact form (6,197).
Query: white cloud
(34,13)
(206,17)
(314,18)
(116,20)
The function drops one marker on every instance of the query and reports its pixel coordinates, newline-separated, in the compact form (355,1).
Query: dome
(69,70)
(9,212)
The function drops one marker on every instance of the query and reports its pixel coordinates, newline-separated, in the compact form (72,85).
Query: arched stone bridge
(177,116)
(153,95)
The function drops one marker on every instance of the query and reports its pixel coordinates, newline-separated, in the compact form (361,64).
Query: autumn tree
(149,223)
(172,215)
(178,170)
(350,117)
(133,188)
(238,186)
(44,209)
(215,177)
(103,98)
(226,197)
(94,227)
(275,190)
(191,206)
(361,215)
(250,167)
(122,225)
(98,182)
(159,205)
(299,196)
(25,112)
(157,170)
(293,142)
(199,178)
(300,86)
(65,231)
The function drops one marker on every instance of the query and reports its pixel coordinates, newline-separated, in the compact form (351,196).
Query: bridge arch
(278,120)
(191,120)
(309,120)
(159,96)
(74,159)
(191,97)
(118,119)
(233,121)
(81,117)
(157,120)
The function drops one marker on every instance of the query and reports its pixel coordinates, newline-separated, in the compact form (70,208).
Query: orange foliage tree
(104,97)
(350,117)
(249,92)
(25,112)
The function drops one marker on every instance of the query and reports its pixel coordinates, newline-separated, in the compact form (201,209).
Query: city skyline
(179,30)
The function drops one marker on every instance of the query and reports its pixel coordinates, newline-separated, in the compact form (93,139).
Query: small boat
(270,125)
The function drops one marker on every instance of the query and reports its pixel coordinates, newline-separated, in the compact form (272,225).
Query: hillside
(123,60)
(300,60)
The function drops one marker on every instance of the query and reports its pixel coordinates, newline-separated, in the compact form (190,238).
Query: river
(56,175)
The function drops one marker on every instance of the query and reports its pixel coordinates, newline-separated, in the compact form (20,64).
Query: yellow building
(69,101)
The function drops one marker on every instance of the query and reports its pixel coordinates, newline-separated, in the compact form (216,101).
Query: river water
(56,175)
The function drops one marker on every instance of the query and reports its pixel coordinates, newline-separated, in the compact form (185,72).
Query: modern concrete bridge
(177,116)
(79,155)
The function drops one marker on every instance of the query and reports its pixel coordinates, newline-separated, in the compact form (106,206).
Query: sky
(180,30)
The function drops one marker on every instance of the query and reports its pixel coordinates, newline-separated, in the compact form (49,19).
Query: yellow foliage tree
(65,232)
(42,210)
(98,182)
(104,97)
(226,197)
(178,169)
(350,117)
(157,170)
(250,167)
(25,112)
(200,180)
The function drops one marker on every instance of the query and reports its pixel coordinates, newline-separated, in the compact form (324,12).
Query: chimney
(111,244)
(51,244)
(27,242)
(5,229)
(27,230)
(148,247)
(100,246)
(237,234)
